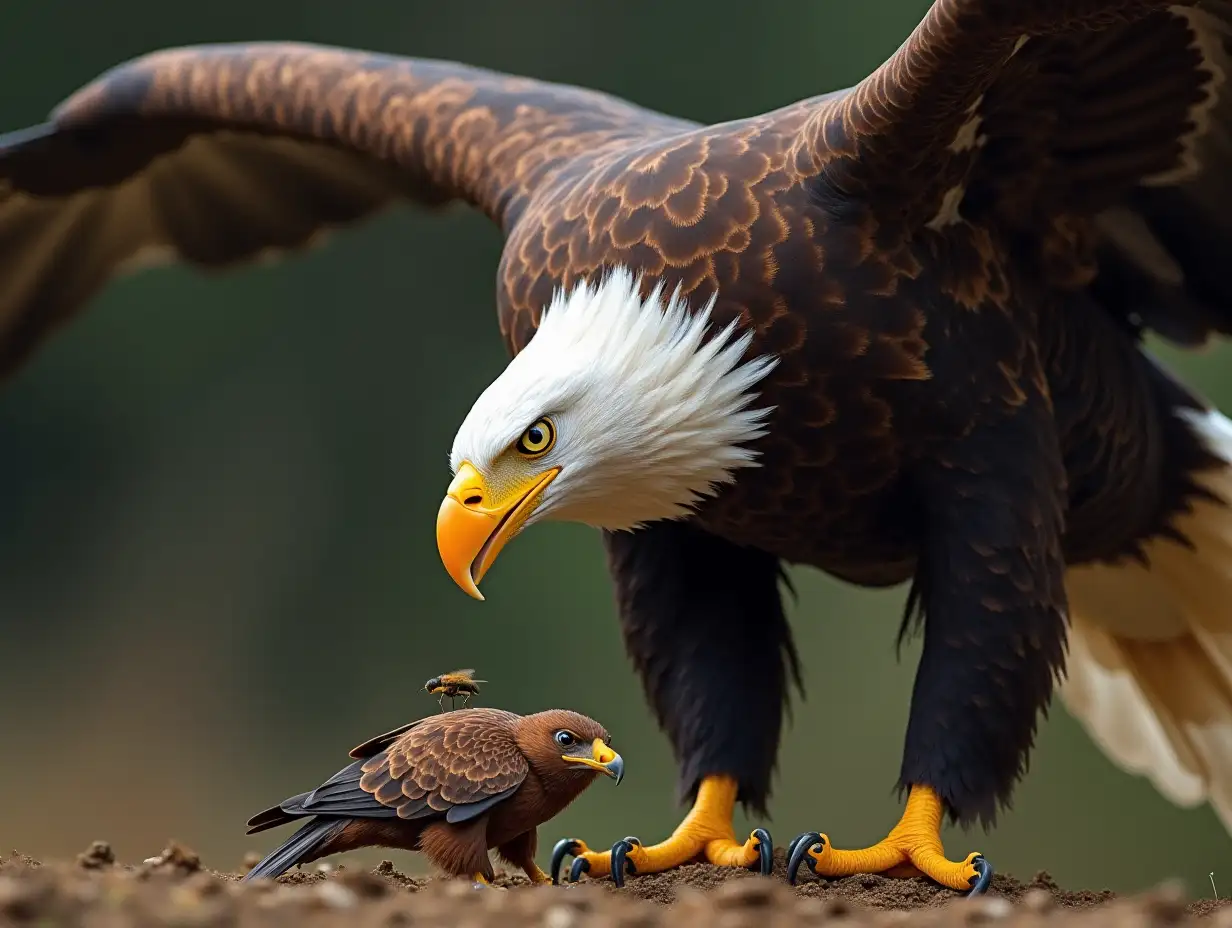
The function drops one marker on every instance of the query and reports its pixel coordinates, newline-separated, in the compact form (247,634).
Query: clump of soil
(99,854)
(173,888)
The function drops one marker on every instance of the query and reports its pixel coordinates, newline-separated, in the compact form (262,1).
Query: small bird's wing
(457,766)
(1096,133)
(458,763)
(218,155)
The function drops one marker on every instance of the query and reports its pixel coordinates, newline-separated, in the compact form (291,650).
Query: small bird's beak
(604,759)
(475,522)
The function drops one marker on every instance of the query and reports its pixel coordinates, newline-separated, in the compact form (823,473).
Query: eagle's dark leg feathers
(990,586)
(704,624)
(993,599)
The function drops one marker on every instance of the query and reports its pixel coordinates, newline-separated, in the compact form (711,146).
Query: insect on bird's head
(619,412)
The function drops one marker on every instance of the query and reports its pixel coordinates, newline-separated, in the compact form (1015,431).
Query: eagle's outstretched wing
(1099,129)
(216,155)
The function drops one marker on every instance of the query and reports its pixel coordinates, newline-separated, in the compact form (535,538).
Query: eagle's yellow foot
(912,847)
(706,833)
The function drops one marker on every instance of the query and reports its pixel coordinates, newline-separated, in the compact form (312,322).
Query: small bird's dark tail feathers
(309,838)
(286,811)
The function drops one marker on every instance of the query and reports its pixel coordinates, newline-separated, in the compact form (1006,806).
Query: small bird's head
(567,749)
(619,412)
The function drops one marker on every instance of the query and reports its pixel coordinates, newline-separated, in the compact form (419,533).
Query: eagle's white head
(614,415)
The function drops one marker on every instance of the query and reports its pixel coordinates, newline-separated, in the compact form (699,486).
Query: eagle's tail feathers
(1149,671)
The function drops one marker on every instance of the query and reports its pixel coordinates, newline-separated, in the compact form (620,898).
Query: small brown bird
(452,786)
(454,684)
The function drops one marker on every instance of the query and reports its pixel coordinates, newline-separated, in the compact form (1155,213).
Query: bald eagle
(894,332)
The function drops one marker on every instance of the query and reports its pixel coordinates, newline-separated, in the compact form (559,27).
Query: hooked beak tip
(616,768)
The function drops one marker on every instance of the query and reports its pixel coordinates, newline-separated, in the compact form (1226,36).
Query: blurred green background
(217,495)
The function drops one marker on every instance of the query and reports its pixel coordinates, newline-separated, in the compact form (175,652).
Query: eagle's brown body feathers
(953,262)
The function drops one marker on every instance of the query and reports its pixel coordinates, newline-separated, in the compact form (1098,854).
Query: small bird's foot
(912,848)
(706,833)
(479,881)
(537,876)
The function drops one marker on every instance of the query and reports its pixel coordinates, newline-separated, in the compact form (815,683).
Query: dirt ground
(175,889)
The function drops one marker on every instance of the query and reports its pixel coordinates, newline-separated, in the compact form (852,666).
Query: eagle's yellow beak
(475,522)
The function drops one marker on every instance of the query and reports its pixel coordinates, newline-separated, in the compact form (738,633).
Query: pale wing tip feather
(1213,427)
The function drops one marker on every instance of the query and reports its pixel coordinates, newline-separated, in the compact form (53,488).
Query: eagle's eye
(537,440)
(565,739)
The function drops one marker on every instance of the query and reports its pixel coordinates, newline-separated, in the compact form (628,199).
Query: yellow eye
(537,440)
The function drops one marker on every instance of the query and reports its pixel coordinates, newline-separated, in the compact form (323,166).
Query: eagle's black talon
(799,853)
(765,851)
(563,848)
(982,878)
(620,862)
(791,848)
(580,865)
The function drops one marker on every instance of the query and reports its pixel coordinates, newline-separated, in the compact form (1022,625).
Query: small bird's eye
(565,740)
(538,439)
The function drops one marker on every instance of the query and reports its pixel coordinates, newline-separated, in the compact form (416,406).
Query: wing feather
(457,765)
(1097,133)
(216,155)
(465,761)
(906,134)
